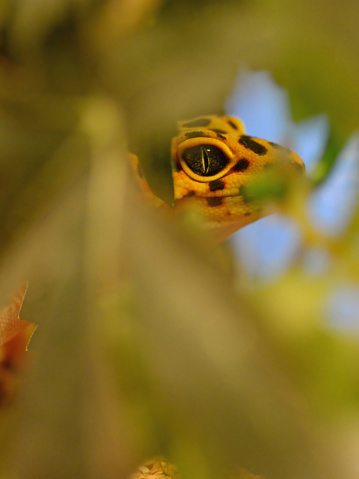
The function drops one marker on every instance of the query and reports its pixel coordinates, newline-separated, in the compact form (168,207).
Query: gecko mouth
(202,196)
(211,201)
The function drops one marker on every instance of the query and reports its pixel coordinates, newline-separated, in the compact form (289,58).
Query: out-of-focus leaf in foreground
(71,424)
(214,375)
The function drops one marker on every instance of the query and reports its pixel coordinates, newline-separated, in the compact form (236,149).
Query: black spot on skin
(189,194)
(220,133)
(232,124)
(216,185)
(217,130)
(214,201)
(194,134)
(196,123)
(251,144)
(241,165)
(248,213)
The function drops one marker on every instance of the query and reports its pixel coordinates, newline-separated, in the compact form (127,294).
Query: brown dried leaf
(10,323)
(15,335)
(156,468)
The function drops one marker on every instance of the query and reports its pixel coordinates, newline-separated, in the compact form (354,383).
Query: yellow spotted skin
(213,160)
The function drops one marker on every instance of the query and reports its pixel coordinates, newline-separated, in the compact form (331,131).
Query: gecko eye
(205,160)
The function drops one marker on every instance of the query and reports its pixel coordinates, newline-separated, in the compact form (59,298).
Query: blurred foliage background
(147,343)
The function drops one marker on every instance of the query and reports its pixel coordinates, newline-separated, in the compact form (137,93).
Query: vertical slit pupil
(205,160)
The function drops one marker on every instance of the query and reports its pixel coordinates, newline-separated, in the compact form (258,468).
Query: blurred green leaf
(213,372)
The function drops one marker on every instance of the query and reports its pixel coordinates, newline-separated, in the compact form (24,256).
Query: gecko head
(227,175)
